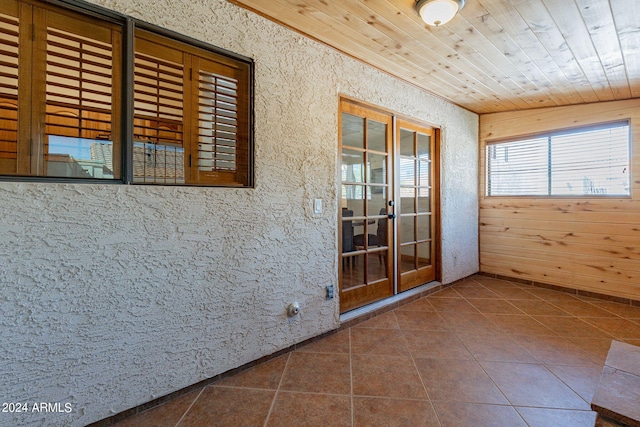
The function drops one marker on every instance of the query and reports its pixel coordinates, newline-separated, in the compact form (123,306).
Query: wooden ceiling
(496,55)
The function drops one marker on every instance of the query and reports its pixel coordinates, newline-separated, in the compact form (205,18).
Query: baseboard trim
(573,291)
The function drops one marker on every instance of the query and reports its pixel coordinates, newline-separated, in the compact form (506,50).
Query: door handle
(392,216)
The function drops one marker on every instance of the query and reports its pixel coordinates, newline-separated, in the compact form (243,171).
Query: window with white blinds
(66,82)
(590,161)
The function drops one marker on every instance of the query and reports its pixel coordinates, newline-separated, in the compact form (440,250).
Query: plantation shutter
(191,115)
(222,150)
(81,97)
(61,112)
(9,57)
(159,139)
(59,93)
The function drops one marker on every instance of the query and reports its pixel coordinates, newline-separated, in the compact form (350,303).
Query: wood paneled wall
(591,244)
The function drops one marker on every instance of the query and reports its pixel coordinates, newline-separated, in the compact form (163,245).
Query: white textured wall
(114,295)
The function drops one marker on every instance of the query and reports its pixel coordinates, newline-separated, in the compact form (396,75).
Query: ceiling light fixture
(438,12)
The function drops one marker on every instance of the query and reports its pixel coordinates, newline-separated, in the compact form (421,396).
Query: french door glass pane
(424,202)
(407,258)
(407,197)
(376,136)
(376,266)
(423,173)
(377,200)
(352,131)
(377,172)
(363,238)
(424,254)
(424,146)
(407,229)
(406,143)
(352,166)
(407,172)
(353,199)
(352,271)
(424,227)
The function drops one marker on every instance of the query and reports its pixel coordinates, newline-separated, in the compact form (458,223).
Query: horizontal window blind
(591,161)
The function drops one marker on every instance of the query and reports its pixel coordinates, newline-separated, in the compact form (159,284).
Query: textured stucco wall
(114,295)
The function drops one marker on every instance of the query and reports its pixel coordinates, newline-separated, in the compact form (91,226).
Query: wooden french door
(415,145)
(387,170)
(366,273)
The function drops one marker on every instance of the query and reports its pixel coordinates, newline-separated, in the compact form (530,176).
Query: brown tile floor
(484,352)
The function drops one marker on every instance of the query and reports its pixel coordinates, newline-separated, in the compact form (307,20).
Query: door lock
(392,216)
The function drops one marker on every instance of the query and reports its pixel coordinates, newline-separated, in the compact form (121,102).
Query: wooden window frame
(241,176)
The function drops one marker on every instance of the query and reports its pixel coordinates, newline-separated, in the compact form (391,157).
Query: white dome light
(438,12)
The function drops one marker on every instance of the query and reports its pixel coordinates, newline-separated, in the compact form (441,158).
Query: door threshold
(380,307)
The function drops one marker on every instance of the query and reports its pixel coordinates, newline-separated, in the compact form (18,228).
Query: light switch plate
(317,206)
(330,292)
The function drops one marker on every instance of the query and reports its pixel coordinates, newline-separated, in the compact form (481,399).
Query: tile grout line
(469,296)
(542,363)
(190,406)
(353,409)
(511,404)
(565,383)
(424,387)
(558,304)
(275,395)
(613,337)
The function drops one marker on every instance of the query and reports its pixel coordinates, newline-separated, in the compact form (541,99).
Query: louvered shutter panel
(222,151)
(9,56)
(159,146)
(80,99)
